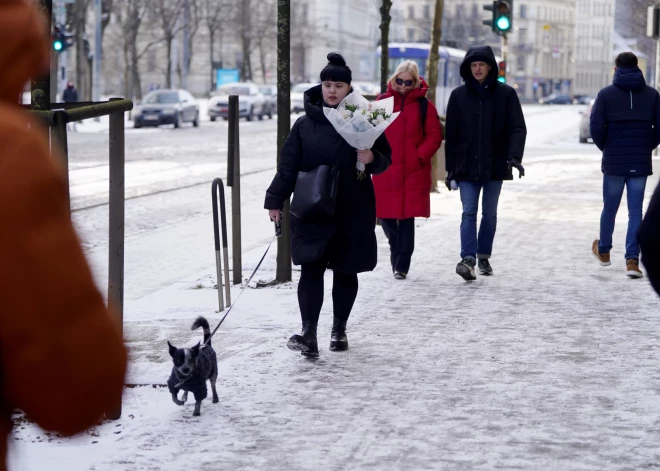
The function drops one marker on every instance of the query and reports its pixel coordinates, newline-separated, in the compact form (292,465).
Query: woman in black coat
(345,242)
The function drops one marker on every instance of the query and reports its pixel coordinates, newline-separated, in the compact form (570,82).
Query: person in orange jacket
(62,357)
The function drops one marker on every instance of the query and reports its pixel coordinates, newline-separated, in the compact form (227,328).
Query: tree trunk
(246,67)
(168,71)
(262,60)
(384,43)
(135,71)
(283,272)
(211,56)
(432,76)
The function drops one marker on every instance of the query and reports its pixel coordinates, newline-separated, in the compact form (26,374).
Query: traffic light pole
(41,86)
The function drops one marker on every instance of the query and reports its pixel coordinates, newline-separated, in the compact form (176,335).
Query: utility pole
(40,87)
(283,271)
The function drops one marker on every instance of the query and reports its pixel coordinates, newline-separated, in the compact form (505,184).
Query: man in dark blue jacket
(625,125)
(485,135)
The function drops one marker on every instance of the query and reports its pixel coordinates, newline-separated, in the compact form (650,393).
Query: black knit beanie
(336,70)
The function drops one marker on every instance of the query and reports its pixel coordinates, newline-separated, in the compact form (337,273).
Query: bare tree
(432,73)
(246,39)
(384,43)
(216,14)
(131,15)
(168,14)
(303,33)
(265,33)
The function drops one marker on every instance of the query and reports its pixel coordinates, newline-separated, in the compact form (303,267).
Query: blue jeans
(612,193)
(471,246)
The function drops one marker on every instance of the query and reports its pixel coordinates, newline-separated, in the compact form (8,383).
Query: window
(427,12)
(411,34)
(523,11)
(520,62)
(411,12)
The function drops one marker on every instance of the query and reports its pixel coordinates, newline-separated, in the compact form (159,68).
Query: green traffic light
(501,79)
(503,23)
(57,45)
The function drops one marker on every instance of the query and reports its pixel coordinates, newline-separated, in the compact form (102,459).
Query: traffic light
(61,39)
(501,72)
(501,20)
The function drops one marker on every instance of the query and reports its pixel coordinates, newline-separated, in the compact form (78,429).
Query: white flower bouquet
(360,122)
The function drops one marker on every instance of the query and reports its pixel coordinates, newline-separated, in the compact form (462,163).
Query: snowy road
(550,364)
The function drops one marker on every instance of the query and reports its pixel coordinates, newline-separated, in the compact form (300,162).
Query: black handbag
(315,195)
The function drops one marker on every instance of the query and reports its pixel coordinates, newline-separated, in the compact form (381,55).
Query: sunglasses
(408,83)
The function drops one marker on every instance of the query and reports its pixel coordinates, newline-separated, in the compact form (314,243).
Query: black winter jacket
(347,240)
(649,240)
(624,124)
(485,124)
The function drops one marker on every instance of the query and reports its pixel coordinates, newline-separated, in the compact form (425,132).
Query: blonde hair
(406,66)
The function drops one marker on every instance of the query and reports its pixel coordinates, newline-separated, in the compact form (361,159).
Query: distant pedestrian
(649,240)
(344,242)
(403,191)
(70,94)
(485,139)
(625,120)
(62,358)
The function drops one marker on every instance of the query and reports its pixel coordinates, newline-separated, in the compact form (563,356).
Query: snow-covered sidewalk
(552,363)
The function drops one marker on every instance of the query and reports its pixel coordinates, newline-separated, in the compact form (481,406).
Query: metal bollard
(116,223)
(235,173)
(218,191)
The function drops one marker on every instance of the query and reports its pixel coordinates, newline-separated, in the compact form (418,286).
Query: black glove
(450,177)
(515,163)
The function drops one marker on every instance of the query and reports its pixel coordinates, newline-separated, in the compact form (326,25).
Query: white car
(297,93)
(251,102)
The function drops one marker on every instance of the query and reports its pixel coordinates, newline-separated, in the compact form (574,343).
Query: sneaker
(400,275)
(603,258)
(632,268)
(484,267)
(465,269)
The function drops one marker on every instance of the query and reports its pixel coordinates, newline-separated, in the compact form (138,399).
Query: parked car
(585,134)
(270,95)
(166,107)
(366,88)
(297,105)
(582,99)
(555,99)
(251,102)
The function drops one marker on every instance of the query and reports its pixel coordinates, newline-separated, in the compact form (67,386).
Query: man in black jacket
(485,139)
(624,124)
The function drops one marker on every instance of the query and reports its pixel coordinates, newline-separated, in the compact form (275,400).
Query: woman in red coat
(403,191)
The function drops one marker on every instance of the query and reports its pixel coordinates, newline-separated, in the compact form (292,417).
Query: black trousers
(310,292)
(401,235)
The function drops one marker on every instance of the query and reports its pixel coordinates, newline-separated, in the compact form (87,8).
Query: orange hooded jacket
(62,358)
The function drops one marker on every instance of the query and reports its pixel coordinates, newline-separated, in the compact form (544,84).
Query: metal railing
(56,119)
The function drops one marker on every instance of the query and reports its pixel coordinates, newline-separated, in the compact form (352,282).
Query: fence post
(58,132)
(235,162)
(116,236)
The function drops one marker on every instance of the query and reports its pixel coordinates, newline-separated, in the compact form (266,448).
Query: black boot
(338,339)
(306,343)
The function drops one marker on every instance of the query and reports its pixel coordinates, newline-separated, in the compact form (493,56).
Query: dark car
(555,99)
(270,96)
(166,107)
(582,99)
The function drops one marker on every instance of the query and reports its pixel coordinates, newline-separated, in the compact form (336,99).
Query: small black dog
(192,368)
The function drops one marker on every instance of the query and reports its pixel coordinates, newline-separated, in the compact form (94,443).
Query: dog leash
(278,233)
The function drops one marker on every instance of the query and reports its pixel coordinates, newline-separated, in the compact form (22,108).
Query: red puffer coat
(403,190)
